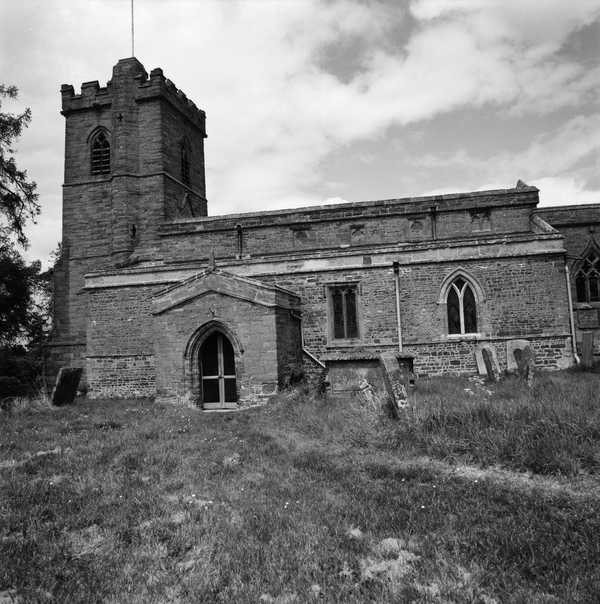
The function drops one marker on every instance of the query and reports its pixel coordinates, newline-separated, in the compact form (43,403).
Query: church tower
(134,158)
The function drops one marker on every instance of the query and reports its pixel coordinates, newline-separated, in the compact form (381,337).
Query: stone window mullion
(343,319)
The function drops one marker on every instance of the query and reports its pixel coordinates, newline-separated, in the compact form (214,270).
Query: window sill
(350,343)
(453,337)
(586,305)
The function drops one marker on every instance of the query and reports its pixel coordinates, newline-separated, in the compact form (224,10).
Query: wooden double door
(218,389)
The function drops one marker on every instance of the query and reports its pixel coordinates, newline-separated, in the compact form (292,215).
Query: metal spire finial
(132,36)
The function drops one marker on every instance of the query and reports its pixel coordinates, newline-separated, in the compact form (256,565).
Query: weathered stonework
(146,276)
(580,227)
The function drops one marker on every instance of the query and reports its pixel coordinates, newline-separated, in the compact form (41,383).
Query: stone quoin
(153,297)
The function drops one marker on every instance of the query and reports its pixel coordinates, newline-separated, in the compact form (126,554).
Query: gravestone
(369,396)
(65,388)
(396,379)
(587,349)
(525,364)
(512,365)
(489,367)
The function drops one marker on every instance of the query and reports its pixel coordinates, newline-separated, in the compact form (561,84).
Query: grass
(308,499)
(552,429)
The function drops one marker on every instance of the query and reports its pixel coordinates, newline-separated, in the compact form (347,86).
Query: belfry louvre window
(462,308)
(587,279)
(185,165)
(100,156)
(344,311)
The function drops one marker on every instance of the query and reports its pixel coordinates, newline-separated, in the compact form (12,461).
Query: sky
(319,101)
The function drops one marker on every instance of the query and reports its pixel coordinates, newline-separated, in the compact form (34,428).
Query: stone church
(154,297)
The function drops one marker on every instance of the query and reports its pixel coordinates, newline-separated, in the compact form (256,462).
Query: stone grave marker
(65,388)
(587,349)
(525,364)
(369,396)
(490,367)
(487,361)
(395,377)
(512,365)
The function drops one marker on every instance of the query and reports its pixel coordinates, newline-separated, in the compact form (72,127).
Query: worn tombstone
(490,368)
(587,349)
(514,350)
(368,395)
(65,388)
(396,378)
(525,364)
(487,362)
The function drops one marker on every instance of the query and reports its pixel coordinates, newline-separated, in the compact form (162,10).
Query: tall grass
(135,501)
(553,428)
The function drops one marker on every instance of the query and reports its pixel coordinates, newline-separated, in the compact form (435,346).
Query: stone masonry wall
(514,305)
(390,222)
(288,337)
(254,329)
(120,358)
(580,226)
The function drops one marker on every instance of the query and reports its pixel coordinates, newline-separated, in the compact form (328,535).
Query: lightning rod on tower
(132,37)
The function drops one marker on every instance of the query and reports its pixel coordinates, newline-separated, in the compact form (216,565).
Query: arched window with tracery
(587,278)
(100,154)
(462,307)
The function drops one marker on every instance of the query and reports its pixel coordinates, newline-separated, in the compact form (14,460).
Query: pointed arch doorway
(216,359)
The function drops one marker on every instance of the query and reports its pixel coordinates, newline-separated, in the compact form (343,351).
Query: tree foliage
(24,298)
(18,197)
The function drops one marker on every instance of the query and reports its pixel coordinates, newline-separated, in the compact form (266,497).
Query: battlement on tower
(129,75)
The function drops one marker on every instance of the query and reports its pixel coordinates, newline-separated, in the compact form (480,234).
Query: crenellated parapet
(158,86)
(129,74)
(92,96)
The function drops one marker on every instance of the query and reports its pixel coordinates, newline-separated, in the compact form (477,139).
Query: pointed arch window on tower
(100,154)
(462,308)
(185,164)
(587,278)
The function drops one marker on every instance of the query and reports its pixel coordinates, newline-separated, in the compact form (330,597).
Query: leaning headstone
(66,384)
(491,367)
(394,378)
(587,349)
(526,363)
(512,366)
(368,395)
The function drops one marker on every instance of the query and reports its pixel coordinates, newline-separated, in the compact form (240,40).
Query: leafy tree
(18,199)
(21,297)
(24,290)
(25,295)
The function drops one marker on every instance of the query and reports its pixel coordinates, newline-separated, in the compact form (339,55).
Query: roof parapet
(93,96)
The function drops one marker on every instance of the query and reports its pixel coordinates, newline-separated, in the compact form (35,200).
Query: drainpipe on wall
(396,266)
(433,210)
(571,316)
(240,240)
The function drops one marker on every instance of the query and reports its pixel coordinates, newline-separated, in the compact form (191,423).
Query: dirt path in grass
(583,486)
(580,487)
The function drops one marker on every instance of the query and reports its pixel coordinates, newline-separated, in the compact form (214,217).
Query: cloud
(563,164)
(564,190)
(278,104)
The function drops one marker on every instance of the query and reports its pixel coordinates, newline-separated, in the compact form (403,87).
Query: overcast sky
(310,101)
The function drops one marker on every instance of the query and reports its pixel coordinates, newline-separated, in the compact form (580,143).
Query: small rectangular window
(343,306)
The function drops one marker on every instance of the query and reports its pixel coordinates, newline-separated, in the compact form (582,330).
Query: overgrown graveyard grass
(553,428)
(308,499)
